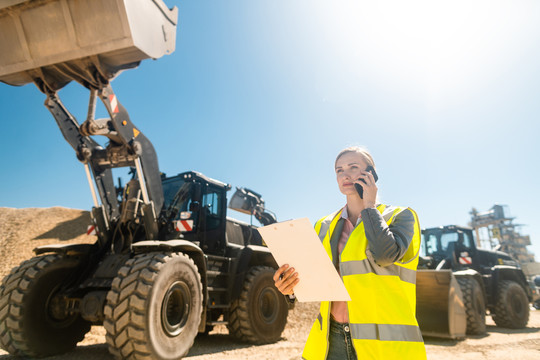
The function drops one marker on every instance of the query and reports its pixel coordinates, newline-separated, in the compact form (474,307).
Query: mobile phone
(359,188)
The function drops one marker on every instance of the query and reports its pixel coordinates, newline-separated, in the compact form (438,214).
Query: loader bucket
(439,304)
(90,41)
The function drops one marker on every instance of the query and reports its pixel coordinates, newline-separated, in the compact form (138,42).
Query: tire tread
(474,327)
(124,310)
(240,325)
(503,317)
(15,286)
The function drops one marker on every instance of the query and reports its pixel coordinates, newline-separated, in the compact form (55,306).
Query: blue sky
(264,94)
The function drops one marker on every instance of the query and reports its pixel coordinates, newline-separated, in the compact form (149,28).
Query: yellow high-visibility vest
(382,310)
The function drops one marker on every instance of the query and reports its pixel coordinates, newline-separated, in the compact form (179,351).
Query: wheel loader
(168,263)
(457,283)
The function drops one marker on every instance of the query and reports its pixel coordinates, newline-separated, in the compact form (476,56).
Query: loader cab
(195,209)
(448,247)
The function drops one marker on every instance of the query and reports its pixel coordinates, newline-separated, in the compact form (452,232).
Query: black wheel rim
(56,309)
(175,308)
(268,305)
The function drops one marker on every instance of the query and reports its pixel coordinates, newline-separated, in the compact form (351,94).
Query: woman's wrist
(370,205)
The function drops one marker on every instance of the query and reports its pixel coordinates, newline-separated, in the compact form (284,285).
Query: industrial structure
(502,234)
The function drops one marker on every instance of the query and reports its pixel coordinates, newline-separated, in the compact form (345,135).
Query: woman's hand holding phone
(365,185)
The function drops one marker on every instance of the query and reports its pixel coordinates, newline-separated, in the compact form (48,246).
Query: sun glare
(440,48)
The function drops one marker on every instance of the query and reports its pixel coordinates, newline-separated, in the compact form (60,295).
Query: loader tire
(259,315)
(154,307)
(475,306)
(33,321)
(512,306)
(5,337)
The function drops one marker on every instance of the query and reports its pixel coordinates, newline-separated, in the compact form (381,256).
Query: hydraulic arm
(127,147)
(91,42)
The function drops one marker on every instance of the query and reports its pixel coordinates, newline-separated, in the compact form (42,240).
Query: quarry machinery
(478,280)
(168,262)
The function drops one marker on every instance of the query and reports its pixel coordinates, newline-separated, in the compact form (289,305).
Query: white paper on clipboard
(296,243)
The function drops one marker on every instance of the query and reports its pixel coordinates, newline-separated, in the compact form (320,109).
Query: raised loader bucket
(439,304)
(52,42)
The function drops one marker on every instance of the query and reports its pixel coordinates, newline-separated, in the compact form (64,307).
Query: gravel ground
(21,230)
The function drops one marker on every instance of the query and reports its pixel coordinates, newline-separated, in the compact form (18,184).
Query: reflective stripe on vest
(364,267)
(323,225)
(383,332)
(386,332)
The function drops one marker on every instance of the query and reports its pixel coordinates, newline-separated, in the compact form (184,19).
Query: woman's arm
(388,244)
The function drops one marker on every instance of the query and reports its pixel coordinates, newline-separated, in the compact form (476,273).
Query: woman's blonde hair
(359,150)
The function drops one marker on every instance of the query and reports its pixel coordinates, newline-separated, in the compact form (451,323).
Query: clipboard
(296,243)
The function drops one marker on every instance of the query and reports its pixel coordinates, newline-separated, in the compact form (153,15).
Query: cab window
(211,203)
(448,238)
(430,244)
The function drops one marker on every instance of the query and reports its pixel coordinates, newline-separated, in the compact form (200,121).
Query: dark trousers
(340,342)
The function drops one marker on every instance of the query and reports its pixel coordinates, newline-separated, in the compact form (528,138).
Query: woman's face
(348,169)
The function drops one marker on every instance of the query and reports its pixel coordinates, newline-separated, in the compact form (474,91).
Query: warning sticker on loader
(184,225)
(465,259)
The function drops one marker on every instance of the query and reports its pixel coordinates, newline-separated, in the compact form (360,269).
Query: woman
(375,250)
